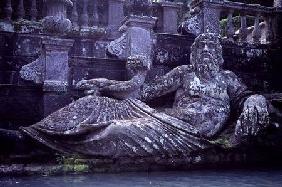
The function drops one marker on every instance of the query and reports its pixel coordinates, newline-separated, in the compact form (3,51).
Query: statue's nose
(206,47)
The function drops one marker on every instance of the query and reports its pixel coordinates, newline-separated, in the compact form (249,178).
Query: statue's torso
(197,97)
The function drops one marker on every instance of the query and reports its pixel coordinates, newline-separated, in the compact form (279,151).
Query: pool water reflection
(237,178)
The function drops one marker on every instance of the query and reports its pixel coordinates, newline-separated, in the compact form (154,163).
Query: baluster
(8,10)
(33,10)
(268,29)
(277,3)
(84,16)
(20,10)
(74,16)
(256,34)
(243,30)
(230,30)
(95,16)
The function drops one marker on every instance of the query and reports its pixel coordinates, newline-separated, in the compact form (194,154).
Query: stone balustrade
(84,14)
(167,15)
(15,13)
(255,23)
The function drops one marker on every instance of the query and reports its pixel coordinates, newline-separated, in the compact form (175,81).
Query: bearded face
(207,58)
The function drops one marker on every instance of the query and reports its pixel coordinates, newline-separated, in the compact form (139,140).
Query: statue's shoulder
(229,74)
(184,69)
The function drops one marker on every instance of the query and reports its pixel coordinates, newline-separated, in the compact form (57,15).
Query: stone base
(208,159)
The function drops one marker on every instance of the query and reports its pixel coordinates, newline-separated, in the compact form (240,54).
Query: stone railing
(27,16)
(220,16)
(17,15)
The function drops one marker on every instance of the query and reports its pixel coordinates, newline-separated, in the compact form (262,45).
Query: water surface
(237,178)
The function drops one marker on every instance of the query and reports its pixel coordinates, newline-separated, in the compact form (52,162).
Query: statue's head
(206,54)
(137,63)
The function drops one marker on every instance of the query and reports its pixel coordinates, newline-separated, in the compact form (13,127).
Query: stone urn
(56,21)
(138,7)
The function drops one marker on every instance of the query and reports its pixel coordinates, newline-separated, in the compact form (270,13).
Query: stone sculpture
(191,25)
(114,121)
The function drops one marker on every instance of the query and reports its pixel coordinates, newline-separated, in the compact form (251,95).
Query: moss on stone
(81,168)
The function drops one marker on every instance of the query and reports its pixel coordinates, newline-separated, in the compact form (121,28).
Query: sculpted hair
(211,37)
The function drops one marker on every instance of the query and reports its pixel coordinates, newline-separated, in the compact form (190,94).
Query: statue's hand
(253,118)
(93,83)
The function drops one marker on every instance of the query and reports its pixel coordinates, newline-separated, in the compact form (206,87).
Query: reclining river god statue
(115,121)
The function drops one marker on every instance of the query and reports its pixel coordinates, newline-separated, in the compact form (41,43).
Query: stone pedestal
(208,15)
(170,16)
(210,19)
(56,63)
(51,70)
(138,29)
(55,85)
(116,16)
(136,38)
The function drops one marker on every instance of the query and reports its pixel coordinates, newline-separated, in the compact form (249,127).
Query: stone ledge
(71,165)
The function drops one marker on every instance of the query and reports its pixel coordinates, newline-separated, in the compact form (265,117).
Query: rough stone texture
(21,101)
(52,70)
(123,126)
(56,20)
(52,24)
(136,38)
(52,65)
(277,3)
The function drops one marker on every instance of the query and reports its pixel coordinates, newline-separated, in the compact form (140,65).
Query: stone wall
(20,101)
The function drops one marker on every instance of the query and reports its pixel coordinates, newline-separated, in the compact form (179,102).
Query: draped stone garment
(101,126)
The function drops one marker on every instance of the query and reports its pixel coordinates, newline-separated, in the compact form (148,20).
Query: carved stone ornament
(56,21)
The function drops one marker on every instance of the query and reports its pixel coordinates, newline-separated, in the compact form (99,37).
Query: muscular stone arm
(165,84)
(253,108)
(95,83)
(237,91)
(130,85)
